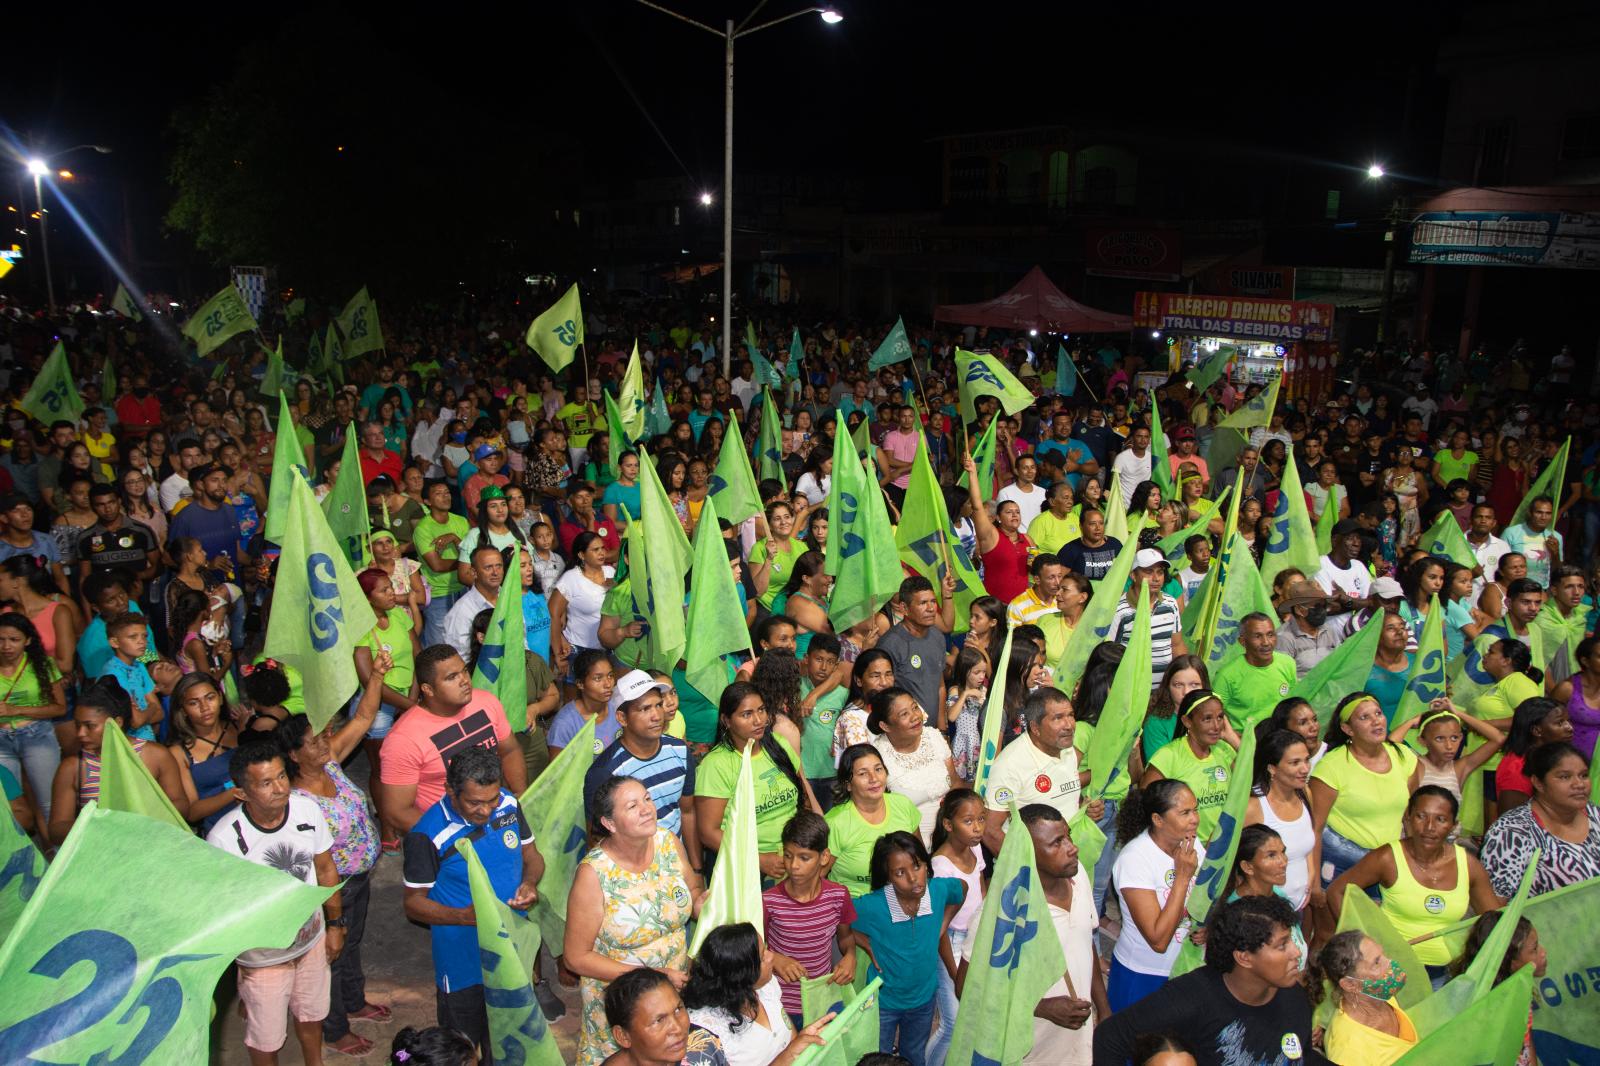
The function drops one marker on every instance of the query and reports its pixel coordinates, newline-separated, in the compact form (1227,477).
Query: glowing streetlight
(705,199)
(38,167)
(830,16)
(1375,171)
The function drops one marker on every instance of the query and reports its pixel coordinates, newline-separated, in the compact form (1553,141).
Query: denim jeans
(1339,853)
(433,615)
(912,1027)
(1108,856)
(32,749)
(945,999)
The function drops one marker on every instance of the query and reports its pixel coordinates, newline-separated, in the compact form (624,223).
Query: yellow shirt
(1050,533)
(1350,1041)
(100,448)
(675,727)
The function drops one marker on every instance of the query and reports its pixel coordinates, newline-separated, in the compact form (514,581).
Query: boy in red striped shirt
(807,914)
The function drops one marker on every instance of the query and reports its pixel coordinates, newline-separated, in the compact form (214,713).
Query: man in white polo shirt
(1038,767)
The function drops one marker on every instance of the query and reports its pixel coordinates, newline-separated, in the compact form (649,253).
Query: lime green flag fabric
(359,324)
(508,946)
(983,459)
(272,381)
(658,420)
(819,996)
(861,437)
(53,396)
(1095,622)
(632,401)
(797,354)
(618,437)
(333,353)
(733,483)
(1292,542)
(502,659)
(994,713)
(658,580)
(1172,545)
(1549,483)
(1491,1035)
(1209,368)
(108,380)
(984,374)
(734,894)
(224,315)
(21,868)
(1160,461)
(1258,410)
(896,347)
(861,553)
(851,1036)
(765,374)
(345,507)
(1120,721)
(928,543)
(287,457)
(1089,839)
(620,602)
(553,806)
(123,304)
(714,622)
(1344,671)
(1325,523)
(1242,593)
(126,784)
(1566,1026)
(769,442)
(556,334)
(1116,516)
(1359,912)
(319,611)
(1445,539)
(1010,970)
(1425,683)
(94,970)
(314,354)
(295,310)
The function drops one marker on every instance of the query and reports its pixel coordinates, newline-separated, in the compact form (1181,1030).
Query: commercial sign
(1234,316)
(1134,253)
(1275,282)
(1563,239)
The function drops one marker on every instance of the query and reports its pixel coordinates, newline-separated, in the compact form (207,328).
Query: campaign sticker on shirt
(1219,774)
(1171,877)
(1283,689)
(1290,1046)
(599,745)
(1002,796)
(1434,904)
(1042,783)
(916,661)
(680,894)
(827,715)
(510,839)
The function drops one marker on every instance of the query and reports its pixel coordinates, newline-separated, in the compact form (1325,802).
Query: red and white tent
(1034,303)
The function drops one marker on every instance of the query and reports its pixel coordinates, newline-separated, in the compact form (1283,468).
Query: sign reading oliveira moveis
(1565,239)
(1234,316)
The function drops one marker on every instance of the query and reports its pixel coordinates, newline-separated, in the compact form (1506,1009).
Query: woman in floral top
(314,759)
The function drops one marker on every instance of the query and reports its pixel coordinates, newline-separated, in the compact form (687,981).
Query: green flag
(314,354)
(93,970)
(769,442)
(1344,671)
(296,309)
(1258,411)
(1566,1027)
(223,316)
(927,541)
(620,602)
(126,784)
(502,659)
(1066,372)
(819,996)
(797,354)
(764,373)
(632,400)
(333,355)
(53,396)
(108,381)
(984,374)
(993,718)
(861,553)
(1118,728)
(660,587)
(1242,593)
(556,334)
(1445,539)
(1325,523)
(659,420)
(553,806)
(1172,546)
(1209,368)
(1491,1035)
(733,483)
(714,621)
(896,347)
(272,381)
(359,324)
(735,889)
(1160,462)
(851,1036)
(1426,680)
(1016,957)
(1549,483)
(123,304)
(21,868)
(319,611)
(1095,624)
(1116,516)
(617,434)
(345,507)
(287,457)
(1292,542)
(508,947)
(861,437)
(983,458)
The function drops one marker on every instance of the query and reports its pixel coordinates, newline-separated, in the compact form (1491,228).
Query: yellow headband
(1428,720)
(1350,708)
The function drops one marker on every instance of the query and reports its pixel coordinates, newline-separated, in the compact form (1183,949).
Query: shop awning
(1034,303)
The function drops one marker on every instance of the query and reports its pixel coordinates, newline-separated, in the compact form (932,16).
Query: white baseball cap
(1148,557)
(632,685)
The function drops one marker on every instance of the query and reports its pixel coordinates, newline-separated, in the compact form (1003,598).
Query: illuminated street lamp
(39,170)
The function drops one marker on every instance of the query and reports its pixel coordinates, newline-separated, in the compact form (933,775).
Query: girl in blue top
(902,925)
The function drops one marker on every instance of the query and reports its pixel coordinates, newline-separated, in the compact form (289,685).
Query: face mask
(458,438)
(1315,616)
(1385,987)
(141,393)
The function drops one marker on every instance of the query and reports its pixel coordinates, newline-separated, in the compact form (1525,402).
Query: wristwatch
(336,923)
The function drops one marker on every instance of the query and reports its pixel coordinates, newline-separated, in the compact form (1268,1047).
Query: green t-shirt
(440,583)
(816,735)
(1451,468)
(1252,691)
(1050,533)
(23,689)
(1207,778)
(782,564)
(699,714)
(777,799)
(1080,744)
(851,838)
(397,640)
(579,421)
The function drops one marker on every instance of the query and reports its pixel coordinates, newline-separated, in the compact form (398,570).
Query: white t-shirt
(1023,773)
(1142,864)
(1190,579)
(943,867)
(1354,581)
(753,1044)
(1031,503)
(584,599)
(1130,470)
(815,491)
(1488,555)
(175,488)
(291,848)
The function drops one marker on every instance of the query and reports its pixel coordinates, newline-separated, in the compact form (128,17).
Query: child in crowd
(967,683)
(821,700)
(806,914)
(128,637)
(957,853)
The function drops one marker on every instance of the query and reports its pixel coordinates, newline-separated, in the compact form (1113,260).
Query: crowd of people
(136,579)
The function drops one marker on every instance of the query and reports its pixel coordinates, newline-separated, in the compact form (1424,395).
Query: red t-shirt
(136,414)
(603,526)
(805,931)
(1005,568)
(421,743)
(390,464)
(1509,775)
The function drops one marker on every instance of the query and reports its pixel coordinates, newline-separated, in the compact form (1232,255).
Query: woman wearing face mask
(1368,1027)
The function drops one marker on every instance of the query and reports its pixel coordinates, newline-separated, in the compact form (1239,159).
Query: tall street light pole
(40,169)
(730,33)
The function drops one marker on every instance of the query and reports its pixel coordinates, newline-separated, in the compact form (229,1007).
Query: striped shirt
(805,931)
(668,776)
(1164,622)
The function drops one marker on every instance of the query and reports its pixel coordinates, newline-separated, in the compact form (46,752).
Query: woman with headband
(1359,790)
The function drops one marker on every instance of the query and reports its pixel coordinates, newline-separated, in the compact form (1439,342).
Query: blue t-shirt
(42,545)
(568,720)
(668,776)
(94,650)
(536,624)
(699,418)
(432,862)
(1387,686)
(216,530)
(1075,450)
(135,680)
(907,950)
(626,499)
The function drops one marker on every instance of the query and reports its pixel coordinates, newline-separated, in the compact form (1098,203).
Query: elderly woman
(630,903)
(731,992)
(921,767)
(1559,820)
(1368,1026)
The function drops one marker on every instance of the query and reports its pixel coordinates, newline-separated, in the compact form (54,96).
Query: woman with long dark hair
(731,992)
(1280,801)
(1159,859)
(872,672)
(206,733)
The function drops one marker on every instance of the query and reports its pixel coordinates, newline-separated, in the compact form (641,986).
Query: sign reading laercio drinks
(1234,316)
